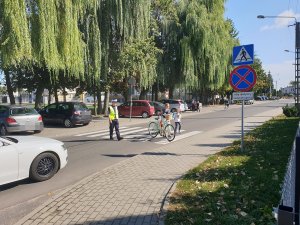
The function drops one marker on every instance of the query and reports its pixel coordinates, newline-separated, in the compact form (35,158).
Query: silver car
(19,118)
(174,104)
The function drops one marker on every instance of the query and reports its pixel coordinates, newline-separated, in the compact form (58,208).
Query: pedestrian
(177,120)
(193,105)
(167,112)
(113,116)
(226,102)
(198,106)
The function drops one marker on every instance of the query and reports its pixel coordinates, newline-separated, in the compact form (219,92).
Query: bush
(290,111)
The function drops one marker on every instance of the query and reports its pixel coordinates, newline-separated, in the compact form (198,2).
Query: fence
(288,210)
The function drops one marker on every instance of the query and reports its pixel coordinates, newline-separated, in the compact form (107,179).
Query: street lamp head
(261,17)
(286,50)
(284,17)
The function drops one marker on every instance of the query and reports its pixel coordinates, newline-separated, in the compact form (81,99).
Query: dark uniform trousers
(114,125)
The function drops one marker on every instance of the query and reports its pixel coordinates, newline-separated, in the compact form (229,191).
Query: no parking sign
(242,78)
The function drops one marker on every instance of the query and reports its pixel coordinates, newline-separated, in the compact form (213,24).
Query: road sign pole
(242,141)
(243,77)
(131,82)
(130,103)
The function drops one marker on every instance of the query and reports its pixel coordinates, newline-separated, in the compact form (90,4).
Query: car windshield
(151,103)
(160,104)
(80,106)
(22,111)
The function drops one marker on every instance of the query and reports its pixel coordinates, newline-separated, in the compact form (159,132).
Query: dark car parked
(158,107)
(66,113)
(18,119)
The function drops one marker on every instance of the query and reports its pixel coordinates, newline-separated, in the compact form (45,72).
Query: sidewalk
(133,192)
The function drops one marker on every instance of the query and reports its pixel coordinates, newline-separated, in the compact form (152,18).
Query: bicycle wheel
(153,129)
(170,132)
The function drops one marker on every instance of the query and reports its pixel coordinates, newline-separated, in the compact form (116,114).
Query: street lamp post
(296,69)
(297,57)
(297,53)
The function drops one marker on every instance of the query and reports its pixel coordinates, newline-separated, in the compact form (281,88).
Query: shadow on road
(15,184)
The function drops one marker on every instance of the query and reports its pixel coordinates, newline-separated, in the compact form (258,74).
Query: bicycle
(162,127)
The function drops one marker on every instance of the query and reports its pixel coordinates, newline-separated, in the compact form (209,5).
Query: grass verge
(234,187)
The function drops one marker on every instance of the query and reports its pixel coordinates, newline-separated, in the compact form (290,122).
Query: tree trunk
(126,93)
(95,103)
(49,96)
(99,101)
(65,94)
(143,94)
(155,92)
(9,88)
(55,94)
(106,102)
(171,90)
(39,97)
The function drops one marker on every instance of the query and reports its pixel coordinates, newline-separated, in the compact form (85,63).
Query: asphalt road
(88,155)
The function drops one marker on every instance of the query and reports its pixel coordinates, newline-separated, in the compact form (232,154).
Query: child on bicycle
(167,112)
(177,120)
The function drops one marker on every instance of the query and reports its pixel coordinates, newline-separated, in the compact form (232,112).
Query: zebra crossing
(137,134)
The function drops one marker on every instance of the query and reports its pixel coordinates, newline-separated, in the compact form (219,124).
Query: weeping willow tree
(121,22)
(139,60)
(47,34)
(15,44)
(57,38)
(199,46)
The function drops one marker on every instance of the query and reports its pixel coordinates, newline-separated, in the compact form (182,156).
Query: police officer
(114,120)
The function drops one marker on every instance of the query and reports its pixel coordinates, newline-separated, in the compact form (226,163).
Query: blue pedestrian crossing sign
(243,55)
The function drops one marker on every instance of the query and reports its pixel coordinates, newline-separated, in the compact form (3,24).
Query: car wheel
(43,167)
(145,115)
(68,123)
(3,130)
(37,131)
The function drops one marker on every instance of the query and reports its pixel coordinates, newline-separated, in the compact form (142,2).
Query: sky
(270,36)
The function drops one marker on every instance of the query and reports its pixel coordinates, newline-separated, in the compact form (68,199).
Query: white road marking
(178,137)
(138,134)
(128,132)
(107,132)
(95,132)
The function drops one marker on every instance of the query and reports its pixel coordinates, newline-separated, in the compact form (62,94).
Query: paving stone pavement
(132,192)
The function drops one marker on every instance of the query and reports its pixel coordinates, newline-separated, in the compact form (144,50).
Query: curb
(166,202)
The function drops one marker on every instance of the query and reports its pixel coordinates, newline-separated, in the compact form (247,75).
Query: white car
(174,104)
(38,158)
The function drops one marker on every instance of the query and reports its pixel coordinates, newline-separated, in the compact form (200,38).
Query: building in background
(289,90)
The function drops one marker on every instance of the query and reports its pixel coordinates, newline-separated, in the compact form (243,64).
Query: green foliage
(139,59)
(290,111)
(198,46)
(15,44)
(184,43)
(234,187)
(263,81)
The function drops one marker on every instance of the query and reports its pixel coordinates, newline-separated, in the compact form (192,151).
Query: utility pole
(270,91)
(276,89)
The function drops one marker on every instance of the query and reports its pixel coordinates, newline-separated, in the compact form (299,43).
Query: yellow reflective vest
(113,115)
